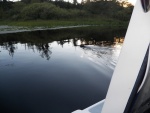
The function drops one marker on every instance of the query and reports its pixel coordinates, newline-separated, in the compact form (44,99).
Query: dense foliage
(47,9)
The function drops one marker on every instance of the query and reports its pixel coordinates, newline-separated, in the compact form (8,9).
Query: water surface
(57,71)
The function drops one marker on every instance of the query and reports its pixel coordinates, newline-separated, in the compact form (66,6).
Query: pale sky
(132,1)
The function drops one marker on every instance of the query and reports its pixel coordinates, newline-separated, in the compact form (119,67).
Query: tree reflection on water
(10,46)
(62,42)
(41,40)
(89,46)
(43,49)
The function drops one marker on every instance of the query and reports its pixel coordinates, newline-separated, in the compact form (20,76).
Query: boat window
(145,5)
(141,102)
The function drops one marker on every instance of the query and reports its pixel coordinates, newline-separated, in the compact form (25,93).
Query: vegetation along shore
(47,13)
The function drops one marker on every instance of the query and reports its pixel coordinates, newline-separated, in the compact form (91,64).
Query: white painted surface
(80,111)
(96,108)
(134,48)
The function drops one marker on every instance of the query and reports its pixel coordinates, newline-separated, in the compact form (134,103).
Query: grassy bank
(70,22)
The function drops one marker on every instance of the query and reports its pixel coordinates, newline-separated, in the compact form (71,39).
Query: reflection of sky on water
(56,70)
(66,74)
(102,55)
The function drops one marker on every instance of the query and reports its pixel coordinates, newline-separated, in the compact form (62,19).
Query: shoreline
(34,25)
(5,29)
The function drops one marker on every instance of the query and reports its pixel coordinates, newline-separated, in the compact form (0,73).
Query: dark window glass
(145,5)
(141,102)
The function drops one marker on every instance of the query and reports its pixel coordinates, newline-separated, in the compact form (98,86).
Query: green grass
(70,22)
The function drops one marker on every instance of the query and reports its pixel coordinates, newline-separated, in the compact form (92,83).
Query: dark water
(56,71)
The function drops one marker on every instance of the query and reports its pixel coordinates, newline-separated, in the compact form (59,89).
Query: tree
(75,2)
(4,0)
(124,3)
(88,1)
(6,5)
(26,1)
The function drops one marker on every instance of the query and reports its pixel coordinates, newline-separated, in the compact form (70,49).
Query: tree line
(59,9)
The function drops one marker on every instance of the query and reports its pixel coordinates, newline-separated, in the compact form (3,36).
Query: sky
(132,1)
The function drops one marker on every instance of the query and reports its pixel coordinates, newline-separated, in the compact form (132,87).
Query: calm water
(56,71)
